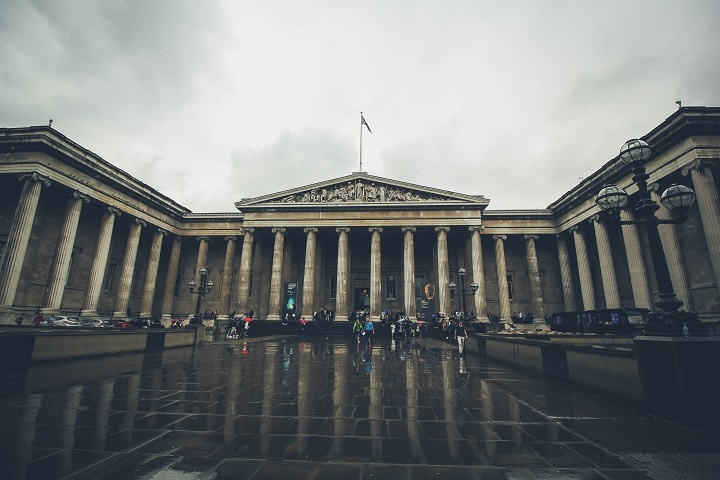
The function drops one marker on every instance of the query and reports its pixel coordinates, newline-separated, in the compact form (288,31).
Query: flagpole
(361,126)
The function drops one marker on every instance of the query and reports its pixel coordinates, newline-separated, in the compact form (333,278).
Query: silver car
(95,323)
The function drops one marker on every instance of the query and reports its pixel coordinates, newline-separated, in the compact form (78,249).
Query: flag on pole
(362,120)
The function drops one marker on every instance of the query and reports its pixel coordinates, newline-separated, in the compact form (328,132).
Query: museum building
(80,236)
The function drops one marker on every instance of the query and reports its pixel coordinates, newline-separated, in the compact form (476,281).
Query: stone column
(309,277)
(171,280)
(63,253)
(535,285)
(341,293)
(607,265)
(128,269)
(203,244)
(673,252)
(375,274)
(566,274)
(709,207)
(246,258)
(586,284)
(443,293)
(276,276)
(409,271)
(99,263)
(478,271)
(151,275)
(18,238)
(642,295)
(503,293)
(228,267)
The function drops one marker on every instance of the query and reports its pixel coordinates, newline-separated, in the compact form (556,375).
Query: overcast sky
(213,101)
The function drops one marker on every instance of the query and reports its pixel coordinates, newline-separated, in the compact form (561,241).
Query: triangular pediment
(361,189)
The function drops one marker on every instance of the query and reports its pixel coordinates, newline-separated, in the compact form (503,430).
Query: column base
(120,315)
(50,311)
(146,315)
(273,318)
(89,313)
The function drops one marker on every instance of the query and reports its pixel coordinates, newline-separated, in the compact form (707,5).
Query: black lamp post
(473,287)
(612,199)
(204,288)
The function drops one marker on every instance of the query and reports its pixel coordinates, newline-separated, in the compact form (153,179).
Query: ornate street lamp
(473,286)
(612,199)
(203,289)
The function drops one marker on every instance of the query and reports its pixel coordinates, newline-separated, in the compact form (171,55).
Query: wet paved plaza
(324,408)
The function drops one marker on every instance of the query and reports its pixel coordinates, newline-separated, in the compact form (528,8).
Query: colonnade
(25,213)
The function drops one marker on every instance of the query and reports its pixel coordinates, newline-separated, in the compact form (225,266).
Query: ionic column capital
(375,229)
(203,238)
(35,177)
(230,238)
(342,229)
(243,231)
(278,230)
(531,237)
(177,239)
(161,231)
(499,237)
(408,229)
(310,229)
(575,229)
(698,164)
(594,219)
(113,211)
(476,228)
(139,221)
(81,196)
(442,229)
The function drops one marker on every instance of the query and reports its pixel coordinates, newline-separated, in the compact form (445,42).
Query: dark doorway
(362,299)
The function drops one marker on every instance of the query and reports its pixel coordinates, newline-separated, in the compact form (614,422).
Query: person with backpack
(357,330)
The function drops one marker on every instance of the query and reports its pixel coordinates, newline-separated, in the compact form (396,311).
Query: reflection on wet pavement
(319,408)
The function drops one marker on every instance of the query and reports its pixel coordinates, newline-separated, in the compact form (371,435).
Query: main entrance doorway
(362,299)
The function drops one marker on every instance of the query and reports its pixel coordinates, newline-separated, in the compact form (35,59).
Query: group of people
(409,329)
(241,323)
(363,329)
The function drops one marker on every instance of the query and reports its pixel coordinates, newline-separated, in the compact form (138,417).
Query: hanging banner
(427,301)
(289,309)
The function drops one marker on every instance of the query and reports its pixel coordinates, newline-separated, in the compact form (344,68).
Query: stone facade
(80,236)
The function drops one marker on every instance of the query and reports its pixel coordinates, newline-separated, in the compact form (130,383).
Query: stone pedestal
(679,378)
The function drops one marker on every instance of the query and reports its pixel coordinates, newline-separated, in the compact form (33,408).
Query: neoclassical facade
(80,236)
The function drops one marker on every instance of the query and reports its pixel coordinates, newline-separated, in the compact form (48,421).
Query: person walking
(461,335)
(369,331)
(357,330)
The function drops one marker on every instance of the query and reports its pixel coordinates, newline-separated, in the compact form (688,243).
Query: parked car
(147,323)
(121,323)
(96,323)
(60,321)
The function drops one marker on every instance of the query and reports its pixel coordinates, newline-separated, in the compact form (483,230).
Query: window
(178,279)
(3,249)
(511,289)
(71,265)
(109,285)
(133,282)
(333,287)
(390,287)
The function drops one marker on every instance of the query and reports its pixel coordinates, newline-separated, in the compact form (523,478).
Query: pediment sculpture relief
(358,192)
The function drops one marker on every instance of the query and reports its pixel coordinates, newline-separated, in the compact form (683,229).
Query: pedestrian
(357,330)
(392,330)
(369,331)
(302,324)
(461,335)
(19,320)
(246,329)
(38,319)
